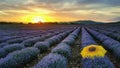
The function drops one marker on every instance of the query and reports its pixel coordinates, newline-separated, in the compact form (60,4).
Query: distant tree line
(11,22)
(73,22)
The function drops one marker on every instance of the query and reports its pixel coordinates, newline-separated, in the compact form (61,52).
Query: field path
(75,59)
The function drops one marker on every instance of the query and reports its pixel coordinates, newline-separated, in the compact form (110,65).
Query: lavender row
(111,34)
(97,61)
(110,44)
(8,38)
(52,61)
(10,48)
(15,62)
(24,33)
(86,38)
(72,37)
(17,59)
(44,45)
(64,48)
(17,40)
(58,56)
(32,41)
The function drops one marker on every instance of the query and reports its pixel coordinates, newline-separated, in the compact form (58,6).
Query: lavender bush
(72,37)
(42,46)
(110,44)
(3,44)
(62,49)
(31,42)
(10,48)
(86,38)
(98,62)
(52,61)
(18,58)
(17,40)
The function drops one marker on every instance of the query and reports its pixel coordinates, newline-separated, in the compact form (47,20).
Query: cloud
(116,12)
(106,2)
(50,1)
(3,13)
(13,1)
(77,9)
(60,5)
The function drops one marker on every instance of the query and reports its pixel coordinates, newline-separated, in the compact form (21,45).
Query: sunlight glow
(33,19)
(38,19)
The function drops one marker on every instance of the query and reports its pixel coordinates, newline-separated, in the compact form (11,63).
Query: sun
(38,19)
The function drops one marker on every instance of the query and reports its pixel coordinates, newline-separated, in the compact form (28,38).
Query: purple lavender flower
(63,49)
(86,39)
(18,58)
(97,62)
(52,61)
(110,44)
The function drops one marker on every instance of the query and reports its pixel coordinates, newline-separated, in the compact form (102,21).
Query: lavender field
(60,46)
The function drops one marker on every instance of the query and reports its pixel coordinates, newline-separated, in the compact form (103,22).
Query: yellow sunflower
(92,51)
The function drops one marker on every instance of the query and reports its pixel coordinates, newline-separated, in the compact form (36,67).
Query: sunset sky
(59,10)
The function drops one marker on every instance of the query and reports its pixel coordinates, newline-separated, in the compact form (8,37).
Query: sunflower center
(91,49)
